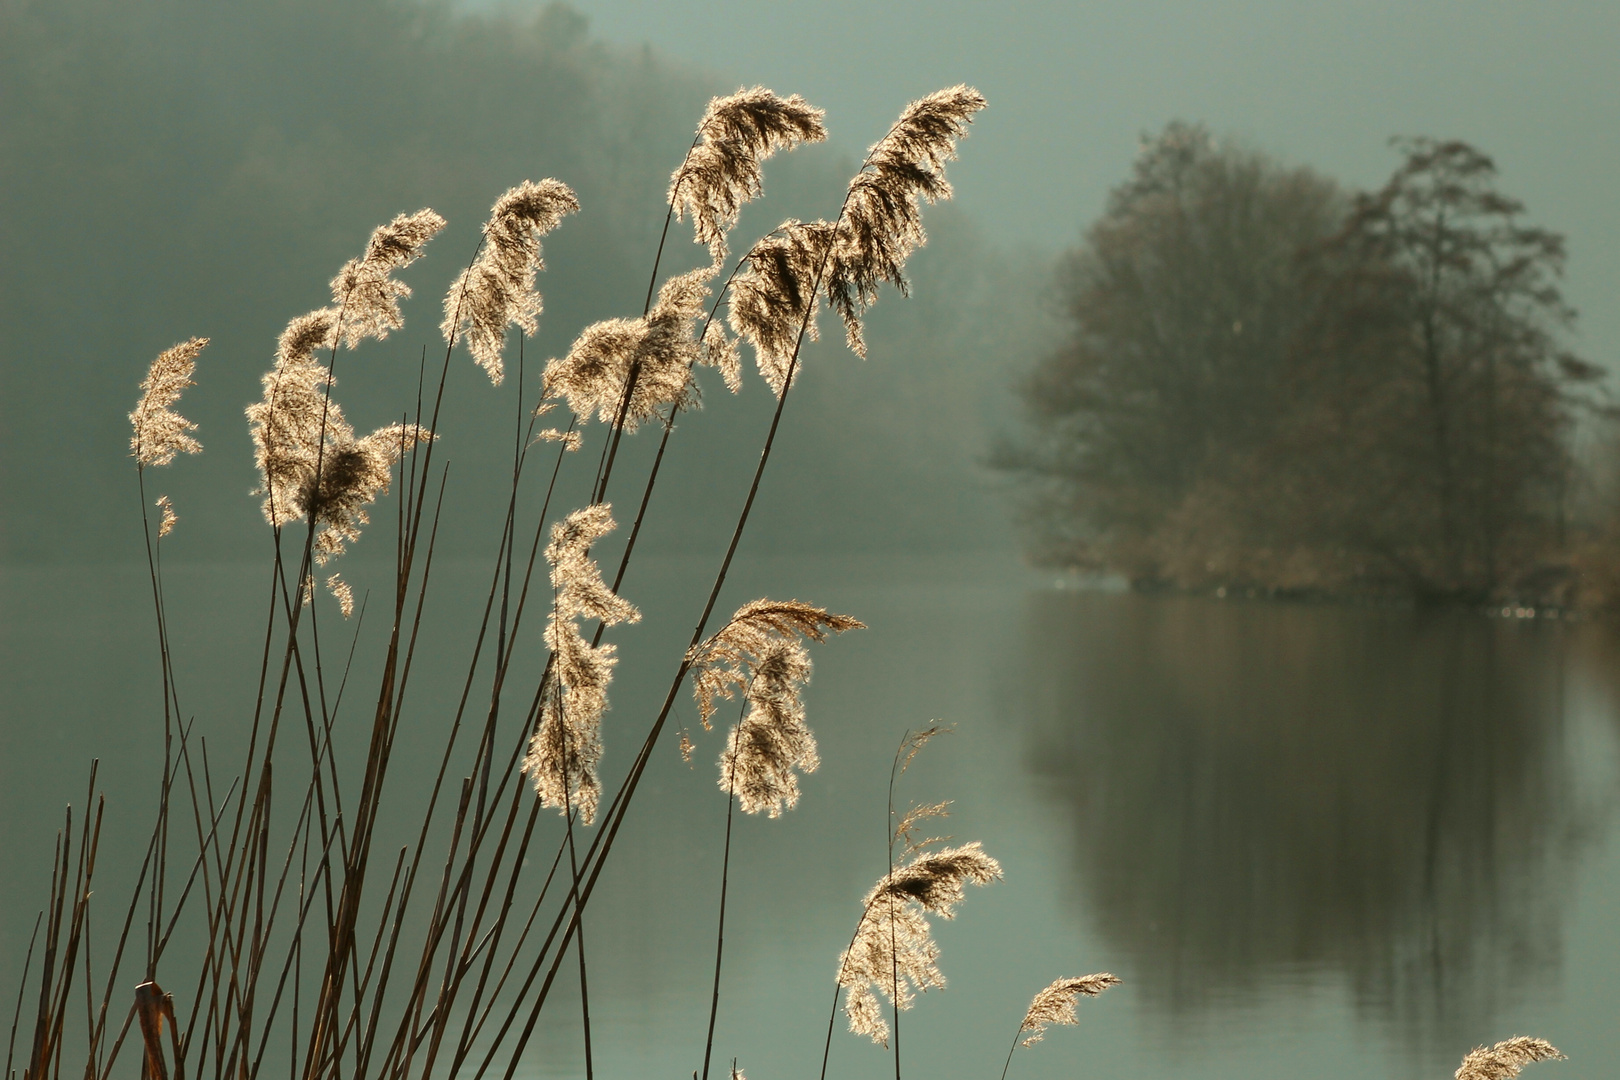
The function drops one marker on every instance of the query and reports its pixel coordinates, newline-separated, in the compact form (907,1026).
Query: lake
(1331,841)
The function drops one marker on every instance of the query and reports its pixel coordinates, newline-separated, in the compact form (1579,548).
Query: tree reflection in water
(1265,793)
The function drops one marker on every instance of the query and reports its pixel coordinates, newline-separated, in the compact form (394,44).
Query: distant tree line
(1273,383)
(179,167)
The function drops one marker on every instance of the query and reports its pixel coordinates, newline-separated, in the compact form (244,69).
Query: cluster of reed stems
(343,960)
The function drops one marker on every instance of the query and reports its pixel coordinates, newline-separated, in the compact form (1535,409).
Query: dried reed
(1505,1060)
(1055,1005)
(277,887)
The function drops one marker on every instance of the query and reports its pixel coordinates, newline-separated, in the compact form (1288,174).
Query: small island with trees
(1275,385)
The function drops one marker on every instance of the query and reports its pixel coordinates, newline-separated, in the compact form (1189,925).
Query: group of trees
(1272,382)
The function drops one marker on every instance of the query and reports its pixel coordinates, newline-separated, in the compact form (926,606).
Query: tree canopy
(1271,382)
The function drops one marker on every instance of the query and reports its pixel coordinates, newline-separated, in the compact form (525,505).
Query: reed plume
(1055,1004)
(882,220)
(344,593)
(168,519)
(565,750)
(727,659)
(759,651)
(894,951)
(159,431)
(289,447)
(310,463)
(569,437)
(776,298)
(1504,1060)
(722,172)
(365,293)
(651,357)
(497,290)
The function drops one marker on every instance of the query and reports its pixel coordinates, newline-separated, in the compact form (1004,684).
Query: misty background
(180,168)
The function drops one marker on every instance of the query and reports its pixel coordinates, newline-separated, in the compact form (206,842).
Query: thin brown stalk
(22,990)
(725,879)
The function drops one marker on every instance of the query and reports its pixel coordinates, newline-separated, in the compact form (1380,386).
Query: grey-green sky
(1071,85)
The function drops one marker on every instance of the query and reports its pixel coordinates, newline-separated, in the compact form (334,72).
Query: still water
(1313,840)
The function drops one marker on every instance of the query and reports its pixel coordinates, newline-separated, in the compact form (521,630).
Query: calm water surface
(1321,841)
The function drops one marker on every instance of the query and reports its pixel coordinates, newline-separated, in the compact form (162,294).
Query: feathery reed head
(565,749)
(914,741)
(160,432)
(776,296)
(774,301)
(343,592)
(167,522)
(759,650)
(722,171)
(576,577)
(935,880)
(1504,1060)
(882,220)
(655,353)
(364,293)
(306,337)
(906,831)
(894,936)
(497,290)
(299,431)
(729,657)
(1055,1004)
(769,743)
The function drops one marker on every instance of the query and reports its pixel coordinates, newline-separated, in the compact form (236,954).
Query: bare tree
(1272,385)
(1184,300)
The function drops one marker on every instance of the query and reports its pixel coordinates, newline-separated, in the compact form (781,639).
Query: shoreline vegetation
(1272,385)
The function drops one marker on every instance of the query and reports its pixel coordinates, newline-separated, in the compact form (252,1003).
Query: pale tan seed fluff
(686,747)
(776,296)
(343,592)
(1055,1004)
(720,353)
(365,293)
(914,741)
(167,522)
(772,741)
(727,659)
(737,134)
(882,220)
(1504,1060)
(736,1073)
(571,440)
(160,432)
(657,352)
(894,953)
(497,290)
(287,429)
(759,651)
(906,831)
(565,750)
(775,299)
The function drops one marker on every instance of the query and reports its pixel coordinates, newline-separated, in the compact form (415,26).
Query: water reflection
(1265,796)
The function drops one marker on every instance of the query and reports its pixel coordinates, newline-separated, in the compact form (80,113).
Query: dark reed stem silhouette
(720,931)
